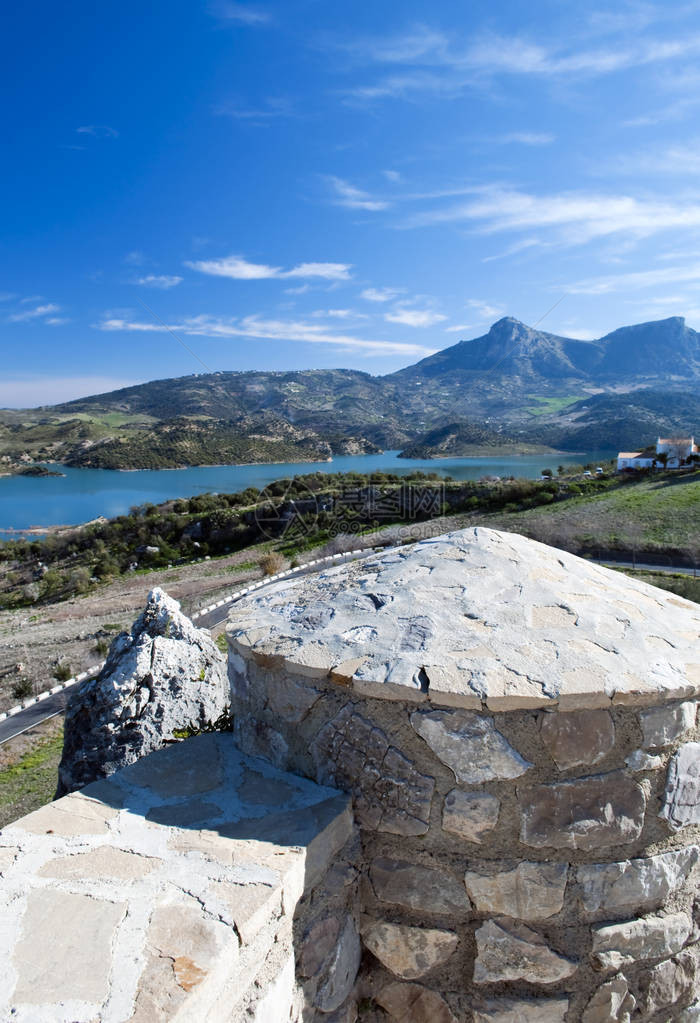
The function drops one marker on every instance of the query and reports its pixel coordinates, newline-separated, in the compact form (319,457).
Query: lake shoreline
(82,495)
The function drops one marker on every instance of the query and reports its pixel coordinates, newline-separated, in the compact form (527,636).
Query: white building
(677,450)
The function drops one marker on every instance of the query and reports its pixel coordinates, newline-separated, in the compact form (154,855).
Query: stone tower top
(478,617)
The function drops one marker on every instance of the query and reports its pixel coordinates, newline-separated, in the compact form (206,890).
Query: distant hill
(517,384)
(464,438)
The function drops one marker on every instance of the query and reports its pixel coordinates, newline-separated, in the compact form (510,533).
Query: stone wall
(529,863)
(177,890)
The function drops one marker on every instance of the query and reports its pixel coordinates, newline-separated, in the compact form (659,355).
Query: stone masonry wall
(178,890)
(530,865)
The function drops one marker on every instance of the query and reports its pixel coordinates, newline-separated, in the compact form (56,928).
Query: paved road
(53,705)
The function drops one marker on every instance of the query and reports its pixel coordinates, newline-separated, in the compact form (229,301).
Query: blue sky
(314,183)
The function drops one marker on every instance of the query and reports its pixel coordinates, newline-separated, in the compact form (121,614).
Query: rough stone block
(650,937)
(529,891)
(65,946)
(290,700)
(611,1003)
(105,861)
(409,952)
(471,815)
(518,1010)
(470,745)
(340,969)
(633,885)
(509,951)
(389,793)
(418,888)
(578,737)
(669,984)
(663,725)
(414,1002)
(682,797)
(606,809)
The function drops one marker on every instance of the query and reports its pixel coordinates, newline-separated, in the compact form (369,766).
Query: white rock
(469,744)
(164,676)
(633,885)
(529,891)
(663,725)
(682,797)
(651,937)
(510,951)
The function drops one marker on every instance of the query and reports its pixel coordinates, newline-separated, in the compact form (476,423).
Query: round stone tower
(518,730)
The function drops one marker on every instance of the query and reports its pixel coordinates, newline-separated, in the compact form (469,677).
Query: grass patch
(550,406)
(31,782)
(650,515)
(686,586)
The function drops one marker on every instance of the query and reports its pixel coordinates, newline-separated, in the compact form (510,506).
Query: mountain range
(514,386)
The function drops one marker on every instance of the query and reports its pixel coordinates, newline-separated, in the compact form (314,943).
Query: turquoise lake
(84,494)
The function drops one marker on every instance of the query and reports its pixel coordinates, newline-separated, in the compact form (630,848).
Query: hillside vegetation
(519,386)
(656,515)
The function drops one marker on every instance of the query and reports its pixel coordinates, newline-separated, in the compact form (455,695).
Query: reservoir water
(84,494)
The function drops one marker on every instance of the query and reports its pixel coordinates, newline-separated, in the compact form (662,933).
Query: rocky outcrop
(165,676)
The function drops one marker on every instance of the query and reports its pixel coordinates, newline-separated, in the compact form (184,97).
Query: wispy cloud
(638,280)
(393,176)
(414,317)
(163,281)
(446,65)
(354,198)
(266,329)
(38,312)
(570,218)
(527,138)
(241,14)
(484,310)
(272,107)
(98,131)
(381,294)
(238,269)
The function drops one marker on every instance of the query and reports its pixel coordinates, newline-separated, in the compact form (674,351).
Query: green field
(550,406)
(652,515)
(31,782)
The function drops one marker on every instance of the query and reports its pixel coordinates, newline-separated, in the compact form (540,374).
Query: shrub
(62,671)
(272,563)
(22,688)
(102,646)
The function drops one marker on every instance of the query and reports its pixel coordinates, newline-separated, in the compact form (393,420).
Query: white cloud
(414,317)
(272,107)
(98,131)
(242,14)
(163,281)
(393,176)
(272,330)
(636,281)
(528,138)
(57,321)
(339,314)
(484,310)
(447,65)
(459,328)
(381,294)
(573,218)
(354,198)
(27,392)
(239,269)
(34,314)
